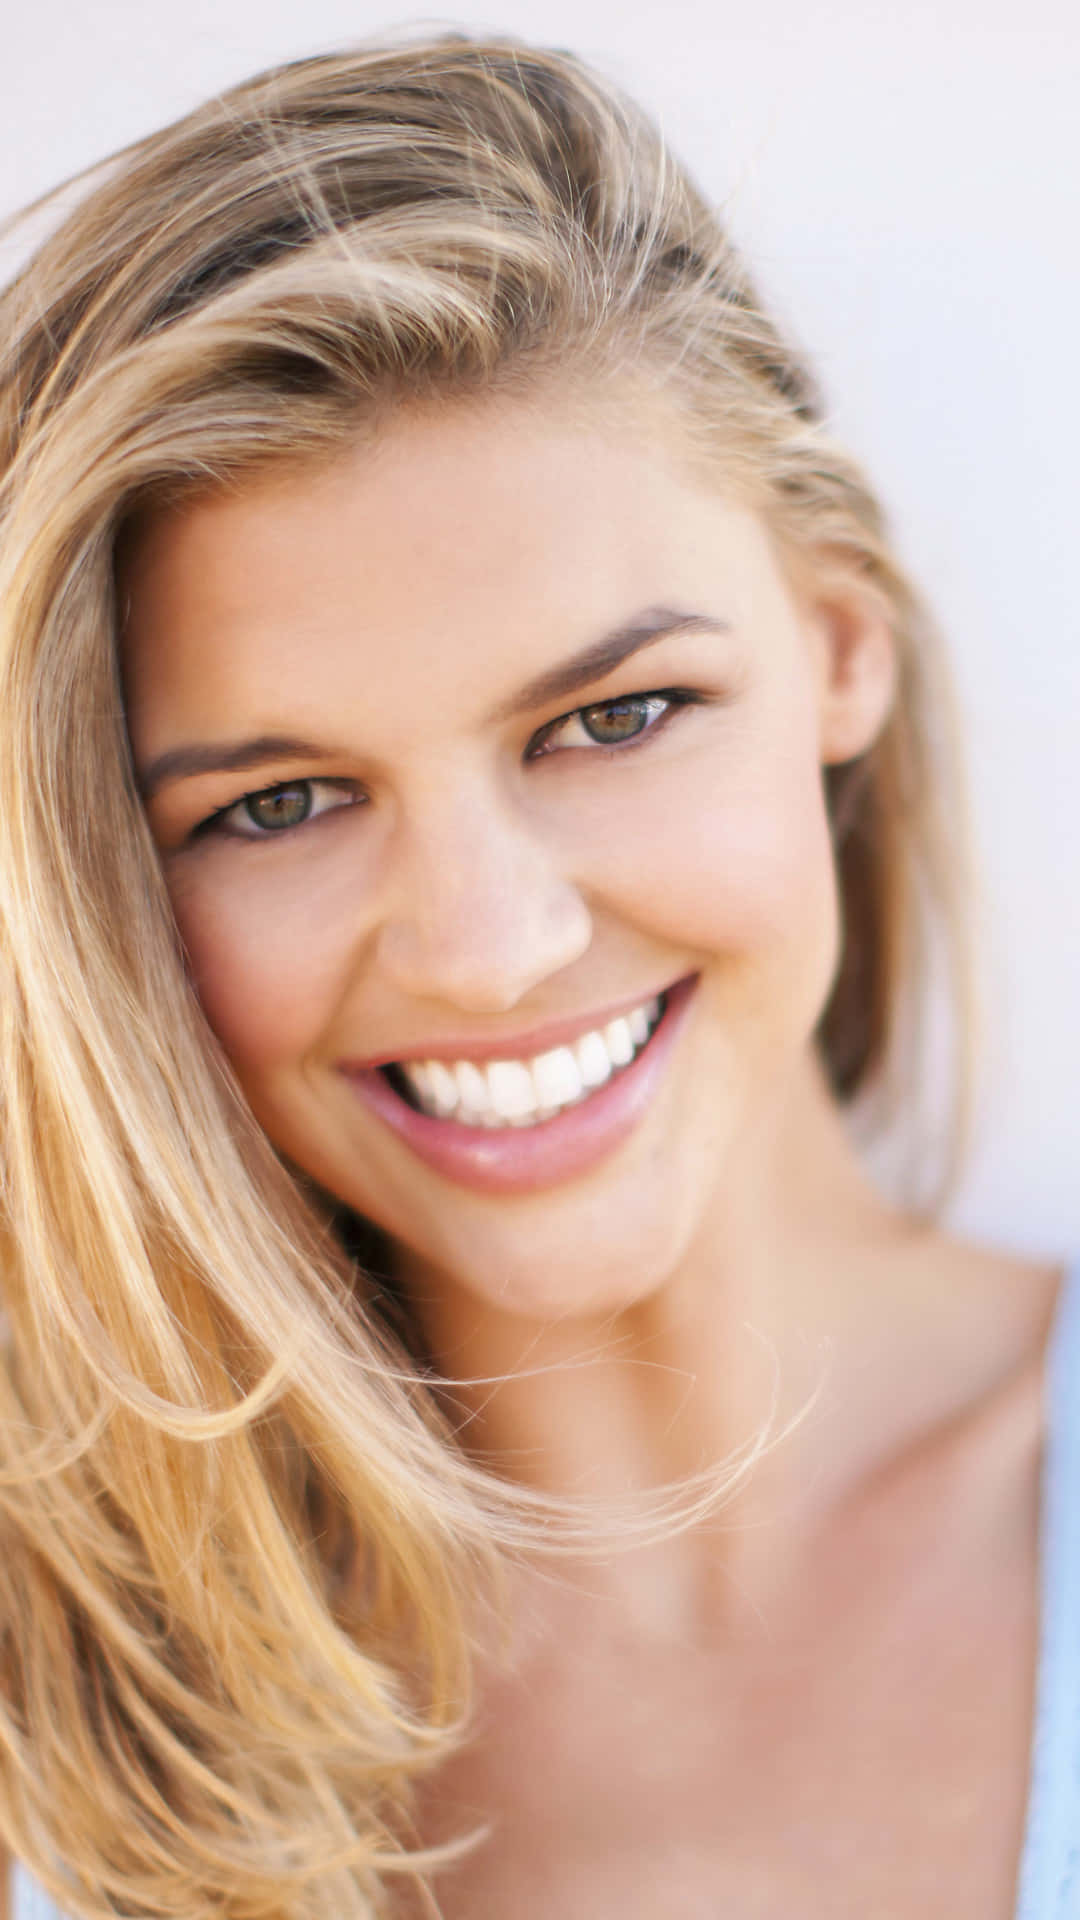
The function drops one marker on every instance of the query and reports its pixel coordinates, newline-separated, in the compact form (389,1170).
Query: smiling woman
(364,935)
(475,807)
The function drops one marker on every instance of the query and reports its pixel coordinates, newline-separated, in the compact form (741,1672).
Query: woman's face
(480,747)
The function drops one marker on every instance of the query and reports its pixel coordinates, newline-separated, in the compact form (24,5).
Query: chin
(541,1273)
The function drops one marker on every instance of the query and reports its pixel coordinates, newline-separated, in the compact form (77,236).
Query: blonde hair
(238,1544)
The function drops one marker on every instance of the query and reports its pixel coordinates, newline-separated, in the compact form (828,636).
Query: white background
(905,178)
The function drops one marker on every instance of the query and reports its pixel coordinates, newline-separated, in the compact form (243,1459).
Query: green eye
(612,723)
(616,720)
(279,806)
(272,812)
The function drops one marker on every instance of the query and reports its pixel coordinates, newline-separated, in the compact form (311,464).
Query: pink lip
(521,1159)
(504,1046)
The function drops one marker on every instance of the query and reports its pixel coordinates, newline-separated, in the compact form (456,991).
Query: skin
(750,1703)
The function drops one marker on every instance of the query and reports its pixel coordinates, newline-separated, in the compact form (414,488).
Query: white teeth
(594,1060)
(422,1082)
(619,1043)
(473,1090)
(521,1093)
(557,1077)
(444,1093)
(513,1094)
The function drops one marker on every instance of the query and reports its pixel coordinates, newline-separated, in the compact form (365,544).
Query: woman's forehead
(480,541)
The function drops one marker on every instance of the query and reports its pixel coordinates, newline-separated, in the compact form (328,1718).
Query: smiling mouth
(524,1093)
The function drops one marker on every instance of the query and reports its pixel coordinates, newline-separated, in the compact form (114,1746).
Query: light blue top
(1049,1881)
(1049,1886)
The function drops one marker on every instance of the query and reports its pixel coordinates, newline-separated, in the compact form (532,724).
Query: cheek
(728,852)
(268,958)
(755,870)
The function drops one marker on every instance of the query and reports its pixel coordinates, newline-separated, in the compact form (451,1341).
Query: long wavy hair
(239,1545)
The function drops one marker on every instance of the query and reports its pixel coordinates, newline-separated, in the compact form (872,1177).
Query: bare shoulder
(981,1322)
(999,1306)
(949,1355)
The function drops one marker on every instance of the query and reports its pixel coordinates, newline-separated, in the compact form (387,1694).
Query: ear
(858,669)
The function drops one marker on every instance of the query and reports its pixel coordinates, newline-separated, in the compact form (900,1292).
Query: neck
(808,1328)
(740,1335)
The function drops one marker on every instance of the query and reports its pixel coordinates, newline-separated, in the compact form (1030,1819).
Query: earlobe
(859,674)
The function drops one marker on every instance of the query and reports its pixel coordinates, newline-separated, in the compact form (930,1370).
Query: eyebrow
(186,763)
(557,683)
(602,658)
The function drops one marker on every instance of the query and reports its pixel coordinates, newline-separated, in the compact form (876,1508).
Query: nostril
(482,968)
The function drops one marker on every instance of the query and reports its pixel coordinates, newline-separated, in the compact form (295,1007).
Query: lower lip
(522,1159)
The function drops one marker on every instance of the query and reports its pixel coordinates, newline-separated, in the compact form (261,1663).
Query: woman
(476,808)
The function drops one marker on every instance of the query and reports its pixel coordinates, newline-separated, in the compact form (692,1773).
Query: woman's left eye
(610,723)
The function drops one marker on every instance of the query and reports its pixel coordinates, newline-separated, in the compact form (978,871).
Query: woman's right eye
(274,811)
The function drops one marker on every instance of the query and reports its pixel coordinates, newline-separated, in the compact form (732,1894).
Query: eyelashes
(613,724)
(606,727)
(270,813)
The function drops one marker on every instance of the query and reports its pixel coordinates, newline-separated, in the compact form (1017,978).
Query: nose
(480,910)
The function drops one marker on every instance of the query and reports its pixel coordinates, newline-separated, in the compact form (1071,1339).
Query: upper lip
(509,1046)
